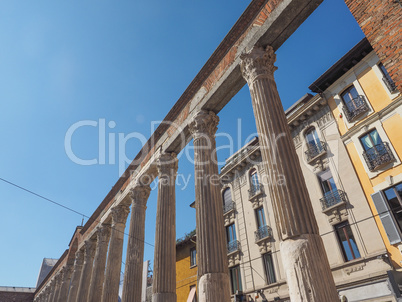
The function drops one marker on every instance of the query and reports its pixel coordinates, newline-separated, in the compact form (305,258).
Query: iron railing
(355,107)
(228,206)
(332,198)
(378,155)
(233,246)
(263,232)
(313,150)
(255,190)
(389,83)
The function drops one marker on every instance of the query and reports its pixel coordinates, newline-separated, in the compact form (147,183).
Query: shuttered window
(387,217)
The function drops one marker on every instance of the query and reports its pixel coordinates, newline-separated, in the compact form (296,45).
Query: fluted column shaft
(83,288)
(51,290)
(213,277)
(132,286)
(164,283)
(98,273)
(75,278)
(59,279)
(65,284)
(113,266)
(303,255)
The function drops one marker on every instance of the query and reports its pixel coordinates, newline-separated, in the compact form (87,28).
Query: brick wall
(16,297)
(381,22)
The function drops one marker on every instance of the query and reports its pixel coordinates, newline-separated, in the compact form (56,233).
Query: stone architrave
(303,255)
(98,273)
(75,278)
(113,266)
(164,283)
(86,274)
(132,286)
(65,284)
(213,275)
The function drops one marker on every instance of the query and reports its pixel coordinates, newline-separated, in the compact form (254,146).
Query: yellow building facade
(186,269)
(367,109)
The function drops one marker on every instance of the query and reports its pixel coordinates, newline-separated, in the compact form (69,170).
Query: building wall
(384,116)
(381,22)
(186,275)
(7,296)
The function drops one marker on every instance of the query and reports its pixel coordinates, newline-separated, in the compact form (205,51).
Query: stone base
(307,270)
(164,297)
(214,287)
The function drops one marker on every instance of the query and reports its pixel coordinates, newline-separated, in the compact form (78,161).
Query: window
(393,196)
(193,256)
(259,213)
(347,241)
(327,182)
(254,183)
(269,268)
(376,153)
(332,195)
(355,104)
(314,146)
(387,78)
(231,233)
(235,279)
(228,203)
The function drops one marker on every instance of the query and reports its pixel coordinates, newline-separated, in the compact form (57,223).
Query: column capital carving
(204,123)
(167,164)
(79,257)
(90,247)
(120,213)
(139,195)
(258,62)
(103,232)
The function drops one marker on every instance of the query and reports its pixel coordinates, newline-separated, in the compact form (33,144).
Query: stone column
(75,278)
(113,267)
(213,275)
(98,273)
(65,284)
(86,274)
(51,290)
(303,255)
(164,283)
(59,278)
(132,286)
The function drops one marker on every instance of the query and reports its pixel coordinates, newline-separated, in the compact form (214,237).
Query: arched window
(314,145)
(254,182)
(354,104)
(228,203)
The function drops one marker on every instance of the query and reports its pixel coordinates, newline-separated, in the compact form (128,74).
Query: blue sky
(125,62)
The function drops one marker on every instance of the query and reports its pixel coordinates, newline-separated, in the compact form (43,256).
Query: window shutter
(386,217)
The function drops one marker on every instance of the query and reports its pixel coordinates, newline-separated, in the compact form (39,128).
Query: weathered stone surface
(67,272)
(211,248)
(164,284)
(75,279)
(83,288)
(132,286)
(293,211)
(98,273)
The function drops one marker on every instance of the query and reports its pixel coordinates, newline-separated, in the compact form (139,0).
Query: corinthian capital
(120,213)
(167,164)
(139,195)
(204,123)
(258,62)
(79,257)
(103,232)
(90,247)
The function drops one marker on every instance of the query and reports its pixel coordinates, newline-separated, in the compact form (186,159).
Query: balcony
(233,246)
(314,150)
(254,191)
(355,108)
(389,83)
(378,156)
(263,232)
(228,207)
(332,198)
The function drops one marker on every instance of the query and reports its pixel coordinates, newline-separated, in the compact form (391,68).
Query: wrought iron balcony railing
(263,232)
(255,190)
(332,198)
(228,206)
(313,150)
(389,83)
(355,107)
(377,156)
(233,246)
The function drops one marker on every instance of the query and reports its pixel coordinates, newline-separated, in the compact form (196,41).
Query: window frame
(193,258)
(345,227)
(268,278)
(235,270)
